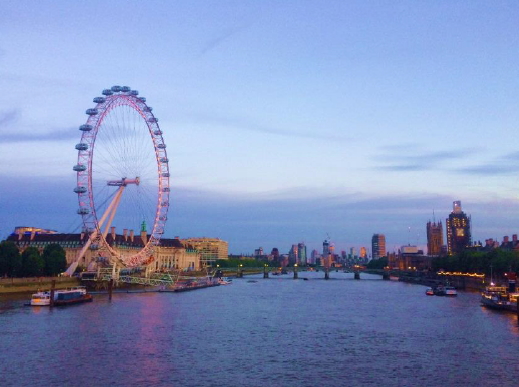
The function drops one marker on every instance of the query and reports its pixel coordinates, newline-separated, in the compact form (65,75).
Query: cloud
(505,165)
(56,135)
(250,222)
(407,158)
(9,117)
(488,170)
(252,126)
(218,40)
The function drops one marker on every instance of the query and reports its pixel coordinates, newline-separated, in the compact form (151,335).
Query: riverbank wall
(31,285)
(433,279)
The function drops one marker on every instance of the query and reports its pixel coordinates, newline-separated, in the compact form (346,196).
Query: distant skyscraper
(301,253)
(326,247)
(434,238)
(458,230)
(314,256)
(363,252)
(378,246)
(292,255)
(275,253)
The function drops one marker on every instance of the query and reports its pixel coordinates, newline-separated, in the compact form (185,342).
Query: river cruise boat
(61,297)
(429,291)
(498,297)
(40,299)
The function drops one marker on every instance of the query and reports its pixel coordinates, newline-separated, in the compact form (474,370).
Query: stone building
(169,254)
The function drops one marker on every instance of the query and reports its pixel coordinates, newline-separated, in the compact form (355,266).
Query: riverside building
(211,249)
(170,254)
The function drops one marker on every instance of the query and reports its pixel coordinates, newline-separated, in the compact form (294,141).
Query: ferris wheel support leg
(112,208)
(109,211)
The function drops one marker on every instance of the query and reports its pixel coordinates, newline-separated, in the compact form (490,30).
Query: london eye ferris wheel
(122,172)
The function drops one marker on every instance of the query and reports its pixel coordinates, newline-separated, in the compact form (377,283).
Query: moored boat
(439,290)
(450,291)
(71,296)
(40,299)
(429,292)
(498,297)
(61,297)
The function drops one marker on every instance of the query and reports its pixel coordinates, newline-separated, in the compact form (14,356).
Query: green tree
(54,258)
(10,260)
(377,263)
(32,263)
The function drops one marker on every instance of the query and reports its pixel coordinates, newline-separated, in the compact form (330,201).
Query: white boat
(40,299)
(450,291)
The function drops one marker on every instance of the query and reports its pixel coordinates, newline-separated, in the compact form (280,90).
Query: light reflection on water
(276,332)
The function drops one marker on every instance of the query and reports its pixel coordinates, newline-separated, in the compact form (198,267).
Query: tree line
(30,263)
(496,260)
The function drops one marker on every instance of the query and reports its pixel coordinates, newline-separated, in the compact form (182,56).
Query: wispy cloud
(253,126)
(505,165)
(9,117)
(56,135)
(405,158)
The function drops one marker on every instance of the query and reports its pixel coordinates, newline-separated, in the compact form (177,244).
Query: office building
(378,246)
(210,249)
(301,254)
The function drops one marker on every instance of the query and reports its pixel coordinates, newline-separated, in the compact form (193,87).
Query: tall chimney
(131,236)
(125,234)
(112,231)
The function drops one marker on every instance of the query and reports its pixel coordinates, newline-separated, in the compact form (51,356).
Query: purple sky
(285,121)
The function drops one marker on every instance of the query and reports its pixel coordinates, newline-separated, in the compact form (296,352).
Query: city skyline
(284,122)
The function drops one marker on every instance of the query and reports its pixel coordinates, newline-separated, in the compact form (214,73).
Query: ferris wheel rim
(117,97)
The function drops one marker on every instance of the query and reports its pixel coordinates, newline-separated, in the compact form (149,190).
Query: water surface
(275,332)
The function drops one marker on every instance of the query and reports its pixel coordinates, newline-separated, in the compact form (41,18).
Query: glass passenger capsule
(165,189)
(107,92)
(125,89)
(161,146)
(80,190)
(99,99)
(134,92)
(153,119)
(116,89)
(91,112)
(157,133)
(164,160)
(165,174)
(142,99)
(86,128)
(79,168)
(83,211)
(81,146)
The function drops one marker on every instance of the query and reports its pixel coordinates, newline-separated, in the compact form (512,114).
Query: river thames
(274,332)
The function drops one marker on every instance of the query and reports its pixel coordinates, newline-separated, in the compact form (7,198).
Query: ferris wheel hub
(124,182)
